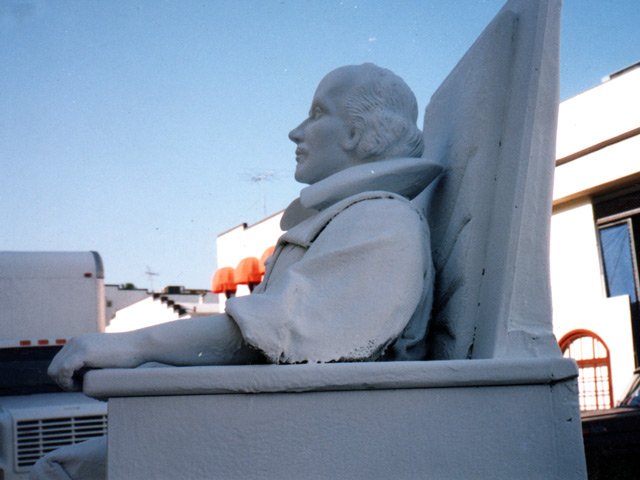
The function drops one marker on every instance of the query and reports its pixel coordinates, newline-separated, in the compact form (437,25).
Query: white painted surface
(50,295)
(216,379)
(142,314)
(579,293)
(588,126)
(518,423)
(492,124)
(320,298)
(609,318)
(246,241)
(576,275)
(118,298)
(599,114)
(599,171)
(156,310)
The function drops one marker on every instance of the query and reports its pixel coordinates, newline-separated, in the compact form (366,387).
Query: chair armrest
(166,380)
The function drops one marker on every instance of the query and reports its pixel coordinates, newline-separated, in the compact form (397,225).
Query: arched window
(594,365)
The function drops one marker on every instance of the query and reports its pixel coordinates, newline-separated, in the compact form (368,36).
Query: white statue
(354,238)
(351,279)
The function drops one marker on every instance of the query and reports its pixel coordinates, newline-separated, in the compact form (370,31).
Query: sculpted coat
(352,281)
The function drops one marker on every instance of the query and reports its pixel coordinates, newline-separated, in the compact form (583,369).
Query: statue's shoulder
(373,209)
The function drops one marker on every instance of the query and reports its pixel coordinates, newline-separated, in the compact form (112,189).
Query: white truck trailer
(45,299)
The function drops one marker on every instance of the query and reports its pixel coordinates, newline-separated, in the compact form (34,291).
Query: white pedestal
(442,419)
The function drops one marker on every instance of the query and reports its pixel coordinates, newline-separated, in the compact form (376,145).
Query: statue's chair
(496,399)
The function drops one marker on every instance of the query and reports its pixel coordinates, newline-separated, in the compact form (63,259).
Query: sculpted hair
(384,109)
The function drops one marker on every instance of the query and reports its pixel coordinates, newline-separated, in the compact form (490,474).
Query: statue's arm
(214,340)
(353,291)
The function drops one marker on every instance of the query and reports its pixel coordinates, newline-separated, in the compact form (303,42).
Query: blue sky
(133,128)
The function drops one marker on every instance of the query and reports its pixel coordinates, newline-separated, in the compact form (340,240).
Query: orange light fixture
(249,271)
(224,281)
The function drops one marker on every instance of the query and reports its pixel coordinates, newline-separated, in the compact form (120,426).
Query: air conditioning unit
(34,425)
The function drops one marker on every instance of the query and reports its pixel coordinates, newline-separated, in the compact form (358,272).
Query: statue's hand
(93,350)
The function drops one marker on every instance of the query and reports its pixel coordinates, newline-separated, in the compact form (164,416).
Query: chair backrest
(492,124)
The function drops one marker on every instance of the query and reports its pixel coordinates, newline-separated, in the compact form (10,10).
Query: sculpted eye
(316,112)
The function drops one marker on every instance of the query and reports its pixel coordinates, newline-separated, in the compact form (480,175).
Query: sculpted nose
(295,135)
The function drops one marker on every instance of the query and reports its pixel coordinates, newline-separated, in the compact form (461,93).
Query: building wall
(575,265)
(246,241)
(161,308)
(599,114)
(144,313)
(579,294)
(598,152)
(118,298)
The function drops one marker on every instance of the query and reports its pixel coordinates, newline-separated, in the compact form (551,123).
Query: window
(594,367)
(618,226)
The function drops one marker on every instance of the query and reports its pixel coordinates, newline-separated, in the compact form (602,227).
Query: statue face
(325,144)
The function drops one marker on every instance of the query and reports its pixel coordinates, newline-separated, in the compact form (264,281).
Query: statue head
(360,113)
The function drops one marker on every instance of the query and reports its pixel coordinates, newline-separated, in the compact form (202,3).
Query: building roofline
(245,225)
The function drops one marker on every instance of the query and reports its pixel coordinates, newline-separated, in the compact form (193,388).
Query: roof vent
(173,290)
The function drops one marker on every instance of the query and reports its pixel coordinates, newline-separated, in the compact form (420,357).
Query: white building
(173,303)
(596,215)
(121,296)
(596,207)
(246,241)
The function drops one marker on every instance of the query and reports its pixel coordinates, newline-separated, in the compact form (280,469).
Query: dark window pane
(624,201)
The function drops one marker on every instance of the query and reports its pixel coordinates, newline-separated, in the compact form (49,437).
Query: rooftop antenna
(150,273)
(259,178)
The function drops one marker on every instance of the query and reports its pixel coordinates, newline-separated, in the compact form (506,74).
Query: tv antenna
(260,178)
(150,273)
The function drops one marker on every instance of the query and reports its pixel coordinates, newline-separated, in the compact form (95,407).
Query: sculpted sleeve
(342,287)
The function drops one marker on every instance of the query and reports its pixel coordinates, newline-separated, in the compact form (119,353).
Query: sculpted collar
(403,176)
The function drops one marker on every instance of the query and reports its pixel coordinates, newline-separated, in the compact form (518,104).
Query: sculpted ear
(355,134)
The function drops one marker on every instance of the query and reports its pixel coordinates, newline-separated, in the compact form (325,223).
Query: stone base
(441,419)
